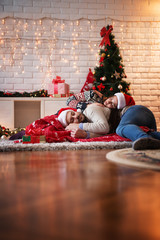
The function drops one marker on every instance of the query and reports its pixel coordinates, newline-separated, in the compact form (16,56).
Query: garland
(40,93)
(6,132)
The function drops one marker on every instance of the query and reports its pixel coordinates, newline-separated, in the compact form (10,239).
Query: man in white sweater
(96,121)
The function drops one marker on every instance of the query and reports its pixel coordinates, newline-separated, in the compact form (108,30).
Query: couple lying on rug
(115,114)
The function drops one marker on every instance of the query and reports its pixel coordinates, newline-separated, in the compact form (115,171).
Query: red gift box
(58,86)
(33,139)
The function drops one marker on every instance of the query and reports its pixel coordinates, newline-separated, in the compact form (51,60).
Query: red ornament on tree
(100,87)
(101,59)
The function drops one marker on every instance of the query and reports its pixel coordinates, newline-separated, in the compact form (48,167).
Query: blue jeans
(132,119)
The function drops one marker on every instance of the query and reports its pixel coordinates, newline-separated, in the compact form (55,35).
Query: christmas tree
(110,73)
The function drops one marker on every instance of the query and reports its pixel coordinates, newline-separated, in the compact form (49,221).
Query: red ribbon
(58,80)
(105,34)
(55,88)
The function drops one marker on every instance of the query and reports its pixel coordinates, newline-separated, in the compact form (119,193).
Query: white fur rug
(10,146)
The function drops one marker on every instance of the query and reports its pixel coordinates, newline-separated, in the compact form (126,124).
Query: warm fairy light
(48,41)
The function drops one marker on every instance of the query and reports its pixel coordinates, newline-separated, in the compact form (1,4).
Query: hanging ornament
(120,87)
(108,55)
(100,87)
(103,78)
(103,55)
(120,66)
(111,89)
(117,75)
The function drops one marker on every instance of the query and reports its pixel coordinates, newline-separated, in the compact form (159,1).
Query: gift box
(33,139)
(58,86)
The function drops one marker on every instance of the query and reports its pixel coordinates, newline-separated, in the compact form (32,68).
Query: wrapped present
(33,139)
(58,80)
(58,86)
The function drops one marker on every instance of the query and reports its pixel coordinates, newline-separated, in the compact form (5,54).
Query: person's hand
(78,133)
(72,126)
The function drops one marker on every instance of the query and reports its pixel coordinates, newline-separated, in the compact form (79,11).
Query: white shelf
(21,111)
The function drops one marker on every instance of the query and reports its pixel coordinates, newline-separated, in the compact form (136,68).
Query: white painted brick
(6,74)
(41,3)
(22,87)
(14,80)
(88,1)
(51,10)
(30,81)
(12,9)
(6,2)
(23,15)
(2,80)
(23,2)
(20,74)
(78,5)
(4,87)
(32,9)
(60,4)
(38,75)
(37,87)
(96,6)
(88,11)
(105,12)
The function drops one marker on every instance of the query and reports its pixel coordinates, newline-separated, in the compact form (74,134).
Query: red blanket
(55,132)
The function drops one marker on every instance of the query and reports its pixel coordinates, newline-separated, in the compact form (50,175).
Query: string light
(47,38)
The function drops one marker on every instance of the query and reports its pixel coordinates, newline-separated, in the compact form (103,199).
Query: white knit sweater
(98,119)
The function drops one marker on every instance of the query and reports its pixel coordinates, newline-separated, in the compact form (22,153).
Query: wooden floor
(76,195)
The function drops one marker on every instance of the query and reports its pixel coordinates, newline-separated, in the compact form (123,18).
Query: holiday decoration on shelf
(40,93)
(58,86)
(109,74)
(6,132)
(89,82)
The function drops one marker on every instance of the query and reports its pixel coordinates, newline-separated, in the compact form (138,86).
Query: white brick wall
(53,43)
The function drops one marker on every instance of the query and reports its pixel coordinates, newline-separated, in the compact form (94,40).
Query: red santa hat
(62,114)
(124,100)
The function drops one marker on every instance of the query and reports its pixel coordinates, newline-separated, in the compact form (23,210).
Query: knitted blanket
(55,132)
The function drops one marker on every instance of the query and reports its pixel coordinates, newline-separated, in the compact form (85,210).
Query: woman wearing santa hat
(81,100)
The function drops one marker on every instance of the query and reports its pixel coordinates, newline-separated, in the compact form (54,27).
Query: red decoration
(100,87)
(58,80)
(101,59)
(105,34)
(89,82)
(111,89)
